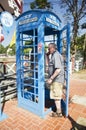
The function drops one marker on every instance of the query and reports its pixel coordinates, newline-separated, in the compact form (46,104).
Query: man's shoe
(59,114)
(55,114)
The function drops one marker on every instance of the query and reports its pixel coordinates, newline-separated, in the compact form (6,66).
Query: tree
(83,25)
(2,49)
(13,47)
(40,4)
(76,9)
(82,46)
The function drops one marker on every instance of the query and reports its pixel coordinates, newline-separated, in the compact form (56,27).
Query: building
(12,6)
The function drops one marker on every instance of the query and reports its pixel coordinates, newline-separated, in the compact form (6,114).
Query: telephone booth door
(30,70)
(64,48)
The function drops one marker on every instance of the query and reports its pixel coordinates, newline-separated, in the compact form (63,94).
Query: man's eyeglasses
(49,48)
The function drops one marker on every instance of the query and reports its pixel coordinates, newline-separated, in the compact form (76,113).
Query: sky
(56,9)
(26,7)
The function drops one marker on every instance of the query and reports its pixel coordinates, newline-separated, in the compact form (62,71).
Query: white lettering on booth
(28,21)
(51,21)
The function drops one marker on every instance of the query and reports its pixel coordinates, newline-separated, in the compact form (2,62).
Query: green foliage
(81,46)
(13,47)
(84,26)
(80,42)
(27,50)
(6,48)
(40,4)
(10,53)
(29,42)
(32,5)
(2,49)
(76,11)
(46,48)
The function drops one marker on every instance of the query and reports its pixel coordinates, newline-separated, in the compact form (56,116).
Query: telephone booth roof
(32,19)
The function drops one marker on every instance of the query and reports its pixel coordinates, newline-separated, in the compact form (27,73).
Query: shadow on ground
(75,125)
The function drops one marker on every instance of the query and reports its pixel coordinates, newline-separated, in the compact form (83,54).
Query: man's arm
(57,71)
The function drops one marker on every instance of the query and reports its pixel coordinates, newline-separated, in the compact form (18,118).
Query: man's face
(51,49)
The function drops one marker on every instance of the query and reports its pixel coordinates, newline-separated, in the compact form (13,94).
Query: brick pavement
(20,119)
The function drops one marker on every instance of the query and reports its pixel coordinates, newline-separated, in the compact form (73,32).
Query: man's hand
(49,81)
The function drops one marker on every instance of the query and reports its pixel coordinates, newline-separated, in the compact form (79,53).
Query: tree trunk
(75,31)
(84,52)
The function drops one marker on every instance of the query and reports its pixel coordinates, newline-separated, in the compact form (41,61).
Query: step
(8,97)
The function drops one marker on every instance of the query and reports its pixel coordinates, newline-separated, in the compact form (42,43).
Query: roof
(41,11)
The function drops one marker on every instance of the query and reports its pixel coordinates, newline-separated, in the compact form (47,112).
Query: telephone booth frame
(35,25)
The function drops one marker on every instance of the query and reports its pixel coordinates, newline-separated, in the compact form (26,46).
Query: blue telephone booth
(35,30)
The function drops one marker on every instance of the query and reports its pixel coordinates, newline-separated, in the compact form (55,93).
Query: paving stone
(80,124)
(21,119)
(79,99)
(81,121)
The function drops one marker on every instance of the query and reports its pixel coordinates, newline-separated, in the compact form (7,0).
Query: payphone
(35,30)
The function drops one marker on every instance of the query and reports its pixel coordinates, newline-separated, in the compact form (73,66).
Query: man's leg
(56,94)
(58,105)
(58,112)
